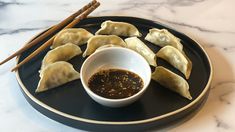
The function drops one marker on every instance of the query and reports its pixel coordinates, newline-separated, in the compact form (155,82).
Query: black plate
(70,104)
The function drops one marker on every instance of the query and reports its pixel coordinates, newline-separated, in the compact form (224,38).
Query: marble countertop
(211,22)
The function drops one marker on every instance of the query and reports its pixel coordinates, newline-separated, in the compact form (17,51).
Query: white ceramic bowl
(115,58)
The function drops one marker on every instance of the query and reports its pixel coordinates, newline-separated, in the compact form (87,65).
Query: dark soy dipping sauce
(115,83)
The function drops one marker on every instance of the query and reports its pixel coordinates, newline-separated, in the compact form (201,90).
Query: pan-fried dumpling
(176,59)
(171,81)
(118,28)
(56,74)
(163,37)
(137,45)
(76,36)
(107,46)
(100,40)
(61,53)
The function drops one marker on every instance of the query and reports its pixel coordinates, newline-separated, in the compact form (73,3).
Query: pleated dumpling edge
(118,28)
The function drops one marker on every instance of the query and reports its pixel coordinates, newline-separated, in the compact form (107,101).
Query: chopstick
(49,42)
(49,32)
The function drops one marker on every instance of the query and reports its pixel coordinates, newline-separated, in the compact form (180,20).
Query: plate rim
(142,121)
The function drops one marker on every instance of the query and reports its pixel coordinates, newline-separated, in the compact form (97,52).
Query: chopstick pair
(84,12)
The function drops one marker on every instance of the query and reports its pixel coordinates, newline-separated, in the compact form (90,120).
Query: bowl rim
(146,83)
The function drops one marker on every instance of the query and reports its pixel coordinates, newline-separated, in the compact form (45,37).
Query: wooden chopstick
(49,42)
(49,32)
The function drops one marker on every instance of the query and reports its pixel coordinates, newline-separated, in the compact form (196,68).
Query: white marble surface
(211,22)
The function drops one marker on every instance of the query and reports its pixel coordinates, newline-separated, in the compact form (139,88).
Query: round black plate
(70,104)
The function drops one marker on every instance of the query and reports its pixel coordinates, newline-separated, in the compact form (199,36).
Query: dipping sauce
(115,83)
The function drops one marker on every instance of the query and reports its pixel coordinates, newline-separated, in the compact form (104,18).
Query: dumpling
(61,53)
(118,28)
(137,45)
(176,59)
(172,81)
(163,37)
(56,74)
(76,36)
(107,46)
(100,40)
